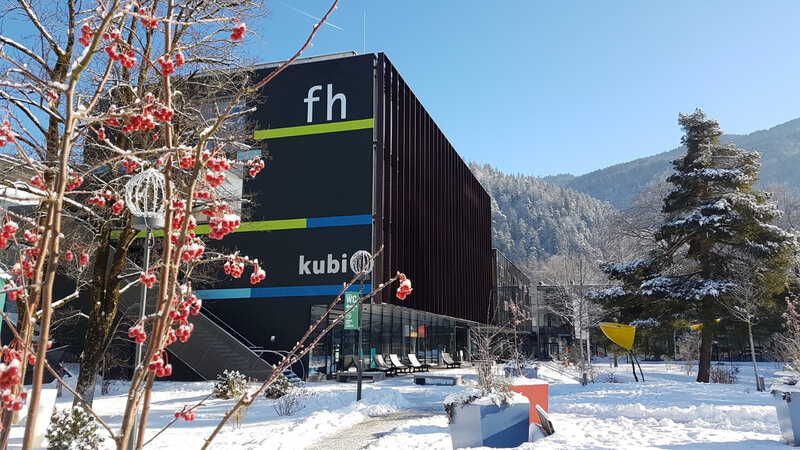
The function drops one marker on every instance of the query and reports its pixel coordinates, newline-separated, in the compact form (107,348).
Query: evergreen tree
(714,223)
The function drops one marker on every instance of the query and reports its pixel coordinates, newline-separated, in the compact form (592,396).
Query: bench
(344,377)
(449,380)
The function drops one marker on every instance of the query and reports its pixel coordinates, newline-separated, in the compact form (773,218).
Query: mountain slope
(619,184)
(534,219)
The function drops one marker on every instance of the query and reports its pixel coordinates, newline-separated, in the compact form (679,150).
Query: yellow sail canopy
(620,334)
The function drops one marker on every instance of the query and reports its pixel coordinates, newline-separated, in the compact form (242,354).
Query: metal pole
(360,365)
(140,347)
(143,293)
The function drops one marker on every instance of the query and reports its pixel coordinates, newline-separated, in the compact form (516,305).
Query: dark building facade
(356,163)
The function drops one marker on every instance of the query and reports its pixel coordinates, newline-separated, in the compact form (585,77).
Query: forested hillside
(619,184)
(533,219)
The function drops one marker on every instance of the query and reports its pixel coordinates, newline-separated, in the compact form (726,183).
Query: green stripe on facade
(264,225)
(321,128)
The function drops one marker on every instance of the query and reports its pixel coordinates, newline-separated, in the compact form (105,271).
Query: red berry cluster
(177,223)
(125,57)
(51,97)
(160,112)
(405,287)
(186,415)
(37,181)
(139,122)
(256,164)
(10,377)
(193,250)
(160,365)
(101,133)
(149,279)
(74,181)
(187,158)
(87,34)
(148,20)
(221,221)
(83,260)
(219,163)
(234,266)
(113,122)
(215,178)
(258,274)
(167,65)
(6,136)
(183,308)
(179,59)
(13,294)
(98,198)
(238,31)
(31,237)
(23,267)
(69,256)
(137,332)
(9,230)
(130,164)
(203,195)
(118,206)
(184,331)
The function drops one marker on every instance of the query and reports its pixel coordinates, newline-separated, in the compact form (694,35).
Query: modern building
(355,162)
(512,306)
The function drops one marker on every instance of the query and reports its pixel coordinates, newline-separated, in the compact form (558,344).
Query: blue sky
(547,87)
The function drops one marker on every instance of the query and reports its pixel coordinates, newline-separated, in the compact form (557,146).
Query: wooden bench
(352,375)
(453,380)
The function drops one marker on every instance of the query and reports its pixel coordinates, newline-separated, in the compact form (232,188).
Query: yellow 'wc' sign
(620,334)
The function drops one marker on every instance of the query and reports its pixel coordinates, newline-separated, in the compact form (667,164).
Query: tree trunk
(103,300)
(752,350)
(706,343)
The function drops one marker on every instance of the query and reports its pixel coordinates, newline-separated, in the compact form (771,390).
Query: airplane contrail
(310,15)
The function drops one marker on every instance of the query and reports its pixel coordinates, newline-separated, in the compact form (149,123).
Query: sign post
(352,321)
(361,263)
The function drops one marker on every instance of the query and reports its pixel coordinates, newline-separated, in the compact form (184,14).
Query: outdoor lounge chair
(398,365)
(412,358)
(448,361)
(381,366)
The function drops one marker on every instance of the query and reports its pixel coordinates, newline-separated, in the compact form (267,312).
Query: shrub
(724,375)
(278,388)
(291,401)
(688,349)
(73,429)
(230,384)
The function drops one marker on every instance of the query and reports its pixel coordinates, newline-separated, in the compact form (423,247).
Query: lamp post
(145,196)
(361,263)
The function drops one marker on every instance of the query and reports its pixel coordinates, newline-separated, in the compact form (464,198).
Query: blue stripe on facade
(215,294)
(278,291)
(338,221)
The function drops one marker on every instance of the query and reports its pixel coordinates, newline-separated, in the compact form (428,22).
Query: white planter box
(489,425)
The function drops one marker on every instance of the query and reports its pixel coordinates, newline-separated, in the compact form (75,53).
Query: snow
(668,410)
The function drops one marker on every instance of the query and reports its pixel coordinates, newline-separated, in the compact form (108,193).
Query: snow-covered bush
(687,349)
(278,388)
(73,429)
(724,375)
(789,341)
(230,384)
(291,401)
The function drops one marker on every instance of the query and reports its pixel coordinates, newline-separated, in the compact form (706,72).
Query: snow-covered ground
(669,410)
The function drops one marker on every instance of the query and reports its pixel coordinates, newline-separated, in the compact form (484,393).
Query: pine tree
(715,223)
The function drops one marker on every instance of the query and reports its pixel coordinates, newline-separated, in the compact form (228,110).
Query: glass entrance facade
(387,329)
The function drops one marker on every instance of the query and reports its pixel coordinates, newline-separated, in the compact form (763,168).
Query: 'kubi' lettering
(322,266)
(331,101)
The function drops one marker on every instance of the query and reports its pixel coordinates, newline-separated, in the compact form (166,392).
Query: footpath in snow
(670,410)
